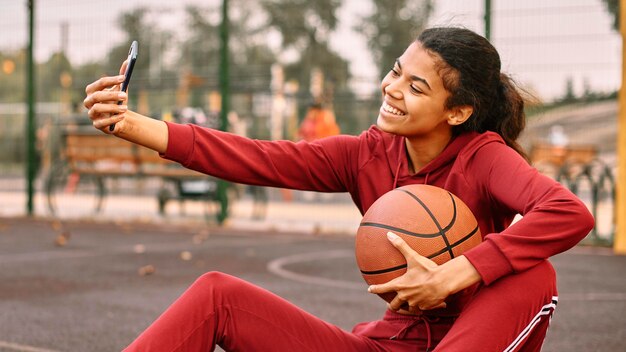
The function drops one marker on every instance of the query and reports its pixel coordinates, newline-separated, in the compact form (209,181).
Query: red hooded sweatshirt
(490,177)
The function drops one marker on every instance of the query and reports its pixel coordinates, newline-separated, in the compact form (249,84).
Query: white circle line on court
(276,267)
(22,348)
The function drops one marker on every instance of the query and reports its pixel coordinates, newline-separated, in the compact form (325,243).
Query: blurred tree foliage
(55,72)
(613,7)
(305,28)
(152,43)
(391,27)
(12,76)
(168,59)
(250,57)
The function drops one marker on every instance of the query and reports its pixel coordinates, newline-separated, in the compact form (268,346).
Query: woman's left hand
(420,287)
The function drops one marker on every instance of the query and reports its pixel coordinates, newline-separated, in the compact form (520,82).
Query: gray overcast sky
(541,42)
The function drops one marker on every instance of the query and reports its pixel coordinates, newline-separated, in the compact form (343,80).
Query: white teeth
(390,109)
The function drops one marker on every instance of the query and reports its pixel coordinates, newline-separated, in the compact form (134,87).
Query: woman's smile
(386,108)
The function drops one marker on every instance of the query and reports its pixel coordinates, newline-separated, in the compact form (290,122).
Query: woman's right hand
(102,100)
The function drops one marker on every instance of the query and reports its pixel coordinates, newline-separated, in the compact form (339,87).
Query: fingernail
(121,96)
(392,236)
(369,289)
(120,78)
(123,107)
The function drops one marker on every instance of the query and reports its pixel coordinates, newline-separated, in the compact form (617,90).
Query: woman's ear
(459,114)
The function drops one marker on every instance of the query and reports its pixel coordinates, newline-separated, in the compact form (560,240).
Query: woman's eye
(416,90)
(395,72)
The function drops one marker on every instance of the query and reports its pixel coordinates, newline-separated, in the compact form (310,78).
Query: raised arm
(327,165)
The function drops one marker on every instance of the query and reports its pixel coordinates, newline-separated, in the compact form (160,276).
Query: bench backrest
(559,155)
(105,154)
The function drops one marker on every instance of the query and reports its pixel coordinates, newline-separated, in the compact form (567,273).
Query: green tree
(613,7)
(305,27)
(135,26)
(199,54)
(250,57)
(83,75)
(12,76)
(53,73)
(392,26)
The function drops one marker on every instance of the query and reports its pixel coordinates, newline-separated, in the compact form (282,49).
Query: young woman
(449,118)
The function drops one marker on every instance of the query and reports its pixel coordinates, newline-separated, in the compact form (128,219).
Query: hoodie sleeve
(324,165)
(554,219)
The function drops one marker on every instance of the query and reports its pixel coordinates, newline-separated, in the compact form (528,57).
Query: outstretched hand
(420,287)
(102,100)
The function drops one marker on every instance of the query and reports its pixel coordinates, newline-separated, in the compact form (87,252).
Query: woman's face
(414,96)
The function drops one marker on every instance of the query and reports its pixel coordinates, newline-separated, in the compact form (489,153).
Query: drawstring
(395,177)
(412,323)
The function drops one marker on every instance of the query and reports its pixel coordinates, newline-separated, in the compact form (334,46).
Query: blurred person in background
(449,118)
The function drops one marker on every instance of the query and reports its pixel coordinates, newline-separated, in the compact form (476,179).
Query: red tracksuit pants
(511,314)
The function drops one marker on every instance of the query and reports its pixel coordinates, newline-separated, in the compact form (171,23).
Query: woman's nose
(393,89)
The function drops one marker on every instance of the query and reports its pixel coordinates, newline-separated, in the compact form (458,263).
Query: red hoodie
(491,178)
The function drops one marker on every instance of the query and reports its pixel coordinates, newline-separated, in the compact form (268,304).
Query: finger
(123,67)
(396,303)
(415,310)
(423,261)
(408,252)
(99,111)
(103,83)
(104,96)
(104,123)
(400,245)
(389,286)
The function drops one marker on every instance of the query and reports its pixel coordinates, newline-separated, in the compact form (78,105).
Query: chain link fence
(572,70)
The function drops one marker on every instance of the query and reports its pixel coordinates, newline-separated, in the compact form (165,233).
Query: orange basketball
(433,221)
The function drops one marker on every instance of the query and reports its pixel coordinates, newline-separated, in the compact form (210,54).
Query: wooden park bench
(579,168)
(88,158)
(560,155)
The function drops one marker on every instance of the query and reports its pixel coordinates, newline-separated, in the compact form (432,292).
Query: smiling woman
(449,118)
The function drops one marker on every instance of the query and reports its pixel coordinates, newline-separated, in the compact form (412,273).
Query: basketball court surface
(99,285)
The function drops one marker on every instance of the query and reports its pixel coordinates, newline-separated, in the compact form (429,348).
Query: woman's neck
(421,151)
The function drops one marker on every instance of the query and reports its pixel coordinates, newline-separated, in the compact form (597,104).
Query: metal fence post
(222,186)
(30,103)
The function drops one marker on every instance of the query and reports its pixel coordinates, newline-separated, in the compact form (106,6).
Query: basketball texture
(433,221)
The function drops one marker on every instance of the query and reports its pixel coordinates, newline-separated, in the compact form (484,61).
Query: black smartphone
(132,58)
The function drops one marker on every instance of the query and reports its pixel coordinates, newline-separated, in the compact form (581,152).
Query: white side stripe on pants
(545,310)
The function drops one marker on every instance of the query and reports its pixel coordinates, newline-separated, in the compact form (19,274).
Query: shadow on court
(94,287)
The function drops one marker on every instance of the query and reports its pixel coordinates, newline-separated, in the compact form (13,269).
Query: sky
(541,43)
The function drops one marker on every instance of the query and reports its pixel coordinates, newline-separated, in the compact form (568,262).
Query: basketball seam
(399,230)
(383,271)
(434,219)
(454,245)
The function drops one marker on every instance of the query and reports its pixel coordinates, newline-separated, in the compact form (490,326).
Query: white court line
(22,348)
(276,267)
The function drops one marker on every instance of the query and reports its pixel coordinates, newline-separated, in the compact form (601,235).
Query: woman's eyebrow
(414,77)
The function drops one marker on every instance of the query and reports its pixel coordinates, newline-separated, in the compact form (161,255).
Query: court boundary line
(23,348)
(276,267)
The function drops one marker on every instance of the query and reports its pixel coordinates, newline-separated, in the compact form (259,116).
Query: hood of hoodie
(435,172)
